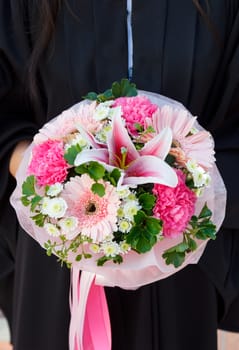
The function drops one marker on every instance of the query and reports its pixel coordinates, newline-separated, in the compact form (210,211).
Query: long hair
(47,15)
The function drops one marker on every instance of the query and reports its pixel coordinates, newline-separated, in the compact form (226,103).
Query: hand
(16,157)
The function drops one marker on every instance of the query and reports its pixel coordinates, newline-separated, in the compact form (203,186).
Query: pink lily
(139,167)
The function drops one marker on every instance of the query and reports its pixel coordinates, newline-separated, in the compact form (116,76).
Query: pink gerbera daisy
(197,146)
(66,123)
(97,216)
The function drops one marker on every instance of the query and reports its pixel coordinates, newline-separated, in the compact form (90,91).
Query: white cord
(130,39)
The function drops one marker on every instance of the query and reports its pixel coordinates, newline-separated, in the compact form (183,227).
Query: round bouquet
(122,186)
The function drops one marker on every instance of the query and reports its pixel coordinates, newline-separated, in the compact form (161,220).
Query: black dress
(176,54)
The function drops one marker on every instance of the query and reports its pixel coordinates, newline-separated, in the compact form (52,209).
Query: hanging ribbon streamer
(90,323)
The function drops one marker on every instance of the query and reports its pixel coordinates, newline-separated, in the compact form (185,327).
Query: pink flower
(135,110)
(66,123)
(97,216)
(138,167)
(48,163)
(197,146)
(174,206)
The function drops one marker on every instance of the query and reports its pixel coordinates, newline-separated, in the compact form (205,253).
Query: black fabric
(175,54)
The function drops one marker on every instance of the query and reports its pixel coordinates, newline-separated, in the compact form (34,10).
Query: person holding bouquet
(52,54)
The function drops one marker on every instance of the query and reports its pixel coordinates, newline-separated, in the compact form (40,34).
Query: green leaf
(139,217)
(39,219)
(139,127)
(25,201)
(87,256)
(118,259)
(143,245)
(192,244)
(28,187)
(114,176)
(101,261)
(96,171)
(71,154)
(174,258)
(78,257)
(116,89)
(92,96)
(153,225)
(141,239)
(205,212)
(35,201)
(98,189)
(181,247)
(147,201)
(81,169)
(127,88)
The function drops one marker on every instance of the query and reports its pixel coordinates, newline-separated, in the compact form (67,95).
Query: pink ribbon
(90,323)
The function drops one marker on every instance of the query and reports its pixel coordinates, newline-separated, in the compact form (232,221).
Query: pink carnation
(174,206)
(135,110)
(48,163)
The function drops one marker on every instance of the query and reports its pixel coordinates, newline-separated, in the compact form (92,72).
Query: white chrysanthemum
(68,224)
(110,249)
(130,209)
(124,225)
(55,189)
(124,247)
(102,134)
(52,230)
(77,140)
(101,112)
(123,192)
(192,165)
(200,178)
(132,197)
(120,212)
(55,207)
(95,248)
(45,204)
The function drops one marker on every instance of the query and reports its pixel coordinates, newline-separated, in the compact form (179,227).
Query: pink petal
(119,138)
(160,145)
(150,169)
(88,137)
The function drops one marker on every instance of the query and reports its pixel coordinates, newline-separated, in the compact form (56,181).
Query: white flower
(124,225)
(52,230)
(77,140)
(95,248)
(55,207)
(101,112)
(68,224)
(130,209)
(200,177)
(123,192)
(102,134)
(120,212)
(192,165)
(110,249)
(45,204)
(124,247)
(55,189)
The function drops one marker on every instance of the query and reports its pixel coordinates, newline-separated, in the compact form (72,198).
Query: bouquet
(122,185)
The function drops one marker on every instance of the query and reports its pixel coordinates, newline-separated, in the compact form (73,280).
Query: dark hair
(47,15)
